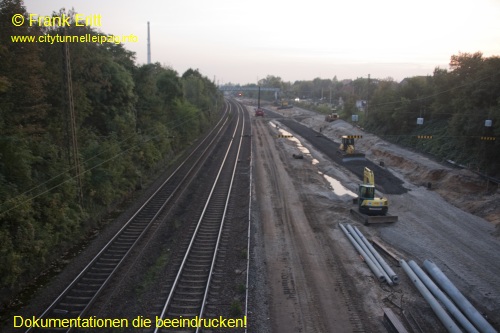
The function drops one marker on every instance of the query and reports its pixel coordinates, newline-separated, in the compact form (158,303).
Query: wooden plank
(378,243)
(393,321)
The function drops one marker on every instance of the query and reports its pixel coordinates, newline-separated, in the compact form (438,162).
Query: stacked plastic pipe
(453,300)
(377,264)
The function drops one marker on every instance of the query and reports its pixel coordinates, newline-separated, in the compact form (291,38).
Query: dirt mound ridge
(462,188)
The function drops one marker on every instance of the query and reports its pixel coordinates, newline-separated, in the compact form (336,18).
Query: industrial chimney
(149,46)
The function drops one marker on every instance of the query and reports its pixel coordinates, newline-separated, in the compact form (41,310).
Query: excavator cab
(348,151)
(347,144)
(366,191)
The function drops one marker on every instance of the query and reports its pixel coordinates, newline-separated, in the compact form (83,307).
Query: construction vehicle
(347,150)
(370,208)
(332,117)
(284,105)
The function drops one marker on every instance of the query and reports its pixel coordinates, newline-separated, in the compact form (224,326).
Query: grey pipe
(368,253)
(370,264)
(448,323)
(359,239)
(393,276)
(467,308)
(455,312)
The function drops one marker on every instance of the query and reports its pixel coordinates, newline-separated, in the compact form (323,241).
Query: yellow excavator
(332,117)
(284,105)
(370,208)
(367,202)
(347,148)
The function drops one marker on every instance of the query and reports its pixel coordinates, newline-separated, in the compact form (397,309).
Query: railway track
(190,290)
(78,297)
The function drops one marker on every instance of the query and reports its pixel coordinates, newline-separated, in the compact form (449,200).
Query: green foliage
(23,100)
(154,271)
(241,288)
(130,121)
(236,309)
(202,93)
(321,108)
(454,105)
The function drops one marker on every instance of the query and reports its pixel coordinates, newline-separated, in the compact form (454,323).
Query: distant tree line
(457,106)
(130,121)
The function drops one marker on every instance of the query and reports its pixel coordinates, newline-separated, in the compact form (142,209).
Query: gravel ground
(296,254)
(464,245)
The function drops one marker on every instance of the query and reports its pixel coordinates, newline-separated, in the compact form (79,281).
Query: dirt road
(306,277)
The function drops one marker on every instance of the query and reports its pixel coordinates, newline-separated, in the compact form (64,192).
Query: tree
(271,81)
(23,104)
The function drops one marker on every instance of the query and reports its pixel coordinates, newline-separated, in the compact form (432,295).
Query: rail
(82,292)
(190,289)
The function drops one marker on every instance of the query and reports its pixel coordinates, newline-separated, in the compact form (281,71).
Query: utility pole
(72,121)
(366,109)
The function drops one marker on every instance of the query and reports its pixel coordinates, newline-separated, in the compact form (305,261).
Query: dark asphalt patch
(385,181)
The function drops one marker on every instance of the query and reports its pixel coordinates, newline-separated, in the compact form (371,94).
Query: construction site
(304,261)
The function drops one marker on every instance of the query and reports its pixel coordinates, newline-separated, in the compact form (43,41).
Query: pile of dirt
(462,188)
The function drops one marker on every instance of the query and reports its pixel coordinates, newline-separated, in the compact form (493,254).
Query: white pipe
(369,254)
(368,261)
(393,276)
(448,323)
(467,308)
(455,312)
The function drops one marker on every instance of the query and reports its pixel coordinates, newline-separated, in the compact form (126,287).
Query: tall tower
(149,46)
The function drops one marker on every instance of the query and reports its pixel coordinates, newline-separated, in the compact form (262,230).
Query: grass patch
(153,272)
(236,310)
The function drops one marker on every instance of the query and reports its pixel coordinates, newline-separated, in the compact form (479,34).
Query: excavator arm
(368,177)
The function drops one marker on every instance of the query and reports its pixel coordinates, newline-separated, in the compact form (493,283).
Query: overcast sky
(243,41)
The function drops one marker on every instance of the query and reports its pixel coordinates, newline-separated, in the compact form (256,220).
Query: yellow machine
(332,117)
(284,105)
(367,202)
(347,149)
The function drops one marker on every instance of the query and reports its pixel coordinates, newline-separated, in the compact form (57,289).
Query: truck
(259,112)
(371,209)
